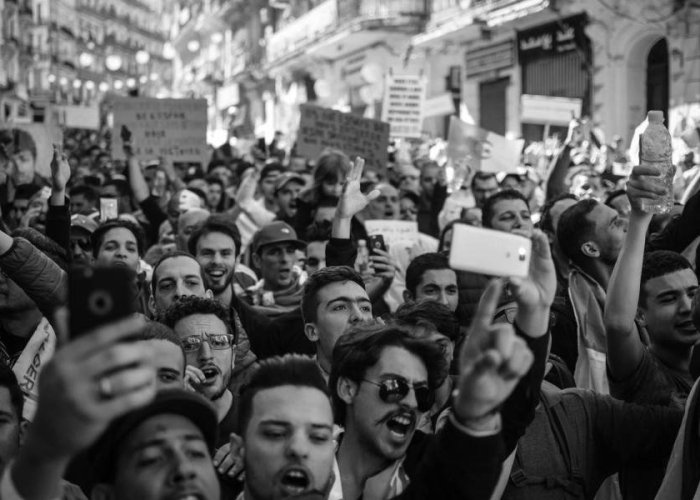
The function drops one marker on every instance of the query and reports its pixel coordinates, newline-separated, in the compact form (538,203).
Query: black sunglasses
(395,389)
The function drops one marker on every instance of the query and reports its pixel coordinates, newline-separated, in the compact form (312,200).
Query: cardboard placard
(32,144)
(549,110)
(482,150)
(393,230)
(321,128)
(403,105)
(171,128)
(441,105)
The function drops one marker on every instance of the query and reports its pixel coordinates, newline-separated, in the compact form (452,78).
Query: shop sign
(554,38)
(491,58)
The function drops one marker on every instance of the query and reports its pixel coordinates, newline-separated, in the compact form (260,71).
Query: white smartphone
(108,209)
(490,252)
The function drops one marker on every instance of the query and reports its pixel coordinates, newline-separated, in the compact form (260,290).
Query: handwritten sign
(171,128)
(32,146)
(403,105)
(393,230)
(321,128)
(551,110)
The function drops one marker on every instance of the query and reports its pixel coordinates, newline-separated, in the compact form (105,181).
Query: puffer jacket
(471,287)
(41,278)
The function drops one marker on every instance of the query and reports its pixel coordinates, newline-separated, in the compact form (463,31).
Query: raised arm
(58,215)
(625,348)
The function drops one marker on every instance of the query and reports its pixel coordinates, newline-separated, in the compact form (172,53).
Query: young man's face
(214,194)
(429,179)
(216,253)
(610,231)
(386,206)
(175,278)
(586,186)
(667,309)
(288,443)
(170,364)
(512,216)
(341,305)
(10,428)
(439,285)
(386,429)
(276,261)
(164,457)
(267,186)
(119,248)
(408,209)
(287,199)
(19,208)
(79,204)
(483,188)
(315,256)
(216,364)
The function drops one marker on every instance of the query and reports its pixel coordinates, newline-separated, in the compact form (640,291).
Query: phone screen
(108,209)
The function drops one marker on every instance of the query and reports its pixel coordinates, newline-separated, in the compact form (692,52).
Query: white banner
(393,230)
(403,105)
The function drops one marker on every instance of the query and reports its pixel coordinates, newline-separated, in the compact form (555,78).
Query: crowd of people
(266,352)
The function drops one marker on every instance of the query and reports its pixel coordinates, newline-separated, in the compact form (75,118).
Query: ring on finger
(106,389)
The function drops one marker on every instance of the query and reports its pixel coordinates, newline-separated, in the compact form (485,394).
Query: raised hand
(644,184)
(492,361)
(88,383)
(60,169)
(352,200)
(229,459)
(248,187)
(536,292)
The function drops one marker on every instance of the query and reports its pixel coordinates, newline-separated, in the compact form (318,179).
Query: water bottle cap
(656,116)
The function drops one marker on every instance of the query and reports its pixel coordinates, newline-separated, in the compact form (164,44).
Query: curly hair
(191,305)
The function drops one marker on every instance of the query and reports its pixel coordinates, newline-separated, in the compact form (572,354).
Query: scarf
(588,300)
(681,481)
(36,353)
(273,304)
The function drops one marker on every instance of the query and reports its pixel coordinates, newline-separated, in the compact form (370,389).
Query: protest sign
(440,105)
(175,129)
(31,145)
(393,230)
(84,117)
(321,128)
(480,149)
(403,105)
(549,110)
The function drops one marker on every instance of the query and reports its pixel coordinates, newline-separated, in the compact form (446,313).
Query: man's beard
(228,279)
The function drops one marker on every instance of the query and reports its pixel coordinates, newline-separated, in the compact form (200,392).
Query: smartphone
(108,209)
(99,295)
(490,252)
(376,242)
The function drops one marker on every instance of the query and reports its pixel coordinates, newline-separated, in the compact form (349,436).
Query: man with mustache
(208,339)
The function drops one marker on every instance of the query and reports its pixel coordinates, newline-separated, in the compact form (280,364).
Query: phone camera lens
(100,302)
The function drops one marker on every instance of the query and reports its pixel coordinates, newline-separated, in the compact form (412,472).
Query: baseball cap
(276,232)
(187,404)
(287,177)
(83,222)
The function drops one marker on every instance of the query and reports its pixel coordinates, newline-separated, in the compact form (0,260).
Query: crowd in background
(275,356)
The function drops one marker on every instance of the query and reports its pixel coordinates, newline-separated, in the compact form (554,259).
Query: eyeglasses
(395,389)
(217,341)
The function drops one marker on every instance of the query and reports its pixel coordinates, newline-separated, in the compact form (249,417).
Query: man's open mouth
(400,425)
(295,481)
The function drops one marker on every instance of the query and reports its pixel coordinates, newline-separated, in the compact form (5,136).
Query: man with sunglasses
(208,339)
(383,380)
(81,229)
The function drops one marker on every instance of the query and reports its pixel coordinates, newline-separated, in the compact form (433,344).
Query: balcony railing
(332,15)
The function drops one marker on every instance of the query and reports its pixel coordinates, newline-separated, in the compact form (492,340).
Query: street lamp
(86,59)
(142,57)
(104,87)
(113,62)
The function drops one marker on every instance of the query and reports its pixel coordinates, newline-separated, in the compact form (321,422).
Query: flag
(482,150)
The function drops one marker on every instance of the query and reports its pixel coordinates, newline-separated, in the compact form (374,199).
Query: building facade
(520,68)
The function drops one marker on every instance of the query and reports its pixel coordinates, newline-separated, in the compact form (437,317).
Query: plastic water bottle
(655,150)
(362,262)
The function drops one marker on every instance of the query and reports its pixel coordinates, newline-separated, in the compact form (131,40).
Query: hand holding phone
(109,209)
(490,252)
(99,296)
(376,241)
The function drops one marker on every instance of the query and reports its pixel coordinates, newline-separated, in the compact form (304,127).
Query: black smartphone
(376,242)
(97,296)
(125,134)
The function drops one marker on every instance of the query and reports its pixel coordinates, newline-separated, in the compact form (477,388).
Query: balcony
(26,14)
(450,18)
(336,28)
(26,56)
